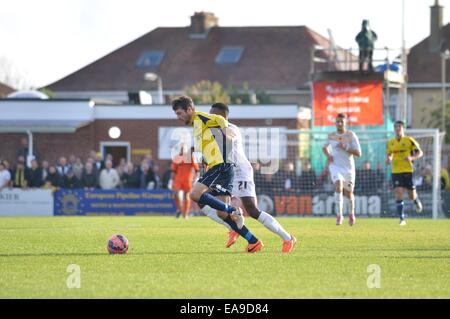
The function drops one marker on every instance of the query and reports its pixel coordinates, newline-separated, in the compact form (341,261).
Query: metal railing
(340,59)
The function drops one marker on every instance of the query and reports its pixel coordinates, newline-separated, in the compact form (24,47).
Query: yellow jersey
(406,146)
(209,138)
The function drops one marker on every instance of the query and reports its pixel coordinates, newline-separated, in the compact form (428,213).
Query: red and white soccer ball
(117,244)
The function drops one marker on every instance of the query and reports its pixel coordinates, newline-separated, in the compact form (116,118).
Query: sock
(211,213)
(351,205)
(187,205)
(208,199)
(417,200)
(338,201)
(244,232)
(400,209)
(273,225)
(177,202)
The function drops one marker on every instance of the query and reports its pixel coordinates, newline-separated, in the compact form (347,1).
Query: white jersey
(243,184)
(243,169)
(341,158)
(5,177)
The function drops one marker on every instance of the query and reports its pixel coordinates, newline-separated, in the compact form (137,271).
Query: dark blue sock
(400,206)
(244,232)
(208,199)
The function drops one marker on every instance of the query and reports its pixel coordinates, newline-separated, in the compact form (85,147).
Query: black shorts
(403,180)
(219,179)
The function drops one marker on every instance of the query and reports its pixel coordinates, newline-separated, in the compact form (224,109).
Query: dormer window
(150,59)
(229,55)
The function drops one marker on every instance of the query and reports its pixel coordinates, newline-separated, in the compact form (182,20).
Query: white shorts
(243,187)
(347,176)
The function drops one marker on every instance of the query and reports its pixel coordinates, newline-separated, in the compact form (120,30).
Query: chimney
(435,40)
(201,23)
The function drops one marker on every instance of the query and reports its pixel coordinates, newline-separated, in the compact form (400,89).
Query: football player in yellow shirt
(213,139)
(401,152)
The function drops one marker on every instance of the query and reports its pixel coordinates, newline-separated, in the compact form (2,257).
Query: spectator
(45,165)
(366,39)
(53,179)
(308,179)
(5,176)
(156,172)
(99,164)
(267,185)
(77,168)
(424,180)
(24,149)
(445,179)
(63,167)
(130,178)
(109,157)
(7,166)
(71,181)
(92,154)
(366,179)
(147,177)
(72,160)
(379,177)
(286,179)
(34,175)
(18,178)
(109,179)
(148,159)
(121,168)
(89,179)
(21,159)
(257,176)
(91,161)
(166,177)
(324,180)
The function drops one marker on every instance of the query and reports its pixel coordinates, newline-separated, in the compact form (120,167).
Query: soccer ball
(117,244)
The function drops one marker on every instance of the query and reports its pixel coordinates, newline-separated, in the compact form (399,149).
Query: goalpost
(301,186)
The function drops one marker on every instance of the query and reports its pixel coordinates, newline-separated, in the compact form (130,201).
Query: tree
(207,92)
(436,121)
(11,75)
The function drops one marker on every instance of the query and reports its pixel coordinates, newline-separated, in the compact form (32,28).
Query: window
(150,59)
(229,55)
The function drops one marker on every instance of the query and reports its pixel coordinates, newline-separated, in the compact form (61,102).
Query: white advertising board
(32,202)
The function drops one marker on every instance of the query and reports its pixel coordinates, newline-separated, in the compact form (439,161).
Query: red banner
(362,102)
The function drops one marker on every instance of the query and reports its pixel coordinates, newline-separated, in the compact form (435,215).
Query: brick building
(65,127)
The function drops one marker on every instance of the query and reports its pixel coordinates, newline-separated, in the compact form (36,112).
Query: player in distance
(401,152)
(340,148)
(183,167)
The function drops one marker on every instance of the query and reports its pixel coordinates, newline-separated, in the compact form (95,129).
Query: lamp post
(444,57)
(150,76)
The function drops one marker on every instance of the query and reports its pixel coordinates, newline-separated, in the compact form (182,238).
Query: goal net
(297,182)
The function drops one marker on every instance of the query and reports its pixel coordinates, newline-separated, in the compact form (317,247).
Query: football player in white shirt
(344,145)
(244,189)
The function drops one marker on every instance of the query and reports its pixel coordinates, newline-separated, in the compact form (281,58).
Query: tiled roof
(273,58)
(425,66)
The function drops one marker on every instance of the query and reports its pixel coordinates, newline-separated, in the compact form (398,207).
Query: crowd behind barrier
(98,173)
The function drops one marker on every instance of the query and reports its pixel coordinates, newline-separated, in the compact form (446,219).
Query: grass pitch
(174,258)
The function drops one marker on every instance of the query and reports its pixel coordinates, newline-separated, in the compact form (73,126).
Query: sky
(43,41)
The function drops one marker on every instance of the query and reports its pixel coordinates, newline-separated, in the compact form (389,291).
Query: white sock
(351,205)
(211,213)
(273,225)
(339,202)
